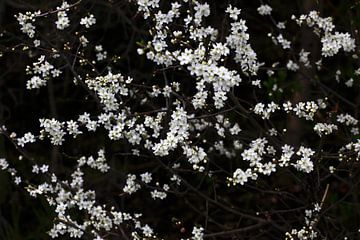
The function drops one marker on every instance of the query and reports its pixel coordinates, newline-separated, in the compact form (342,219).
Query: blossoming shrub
(183,119)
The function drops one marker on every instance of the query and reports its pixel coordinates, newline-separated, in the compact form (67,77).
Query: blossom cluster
(207,116)
(308,231)
(332,41)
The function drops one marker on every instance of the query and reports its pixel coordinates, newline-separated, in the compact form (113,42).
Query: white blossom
(88,21)
(264,9)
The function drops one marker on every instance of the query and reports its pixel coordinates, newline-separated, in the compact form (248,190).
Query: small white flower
(264,9)
(88,21)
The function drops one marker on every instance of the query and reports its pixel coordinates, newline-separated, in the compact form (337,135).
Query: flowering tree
(183,119)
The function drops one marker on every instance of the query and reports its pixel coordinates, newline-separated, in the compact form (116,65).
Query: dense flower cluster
(332,41)
(42,71)
(63,19)
(26,22)
(214,132)
(324,128)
